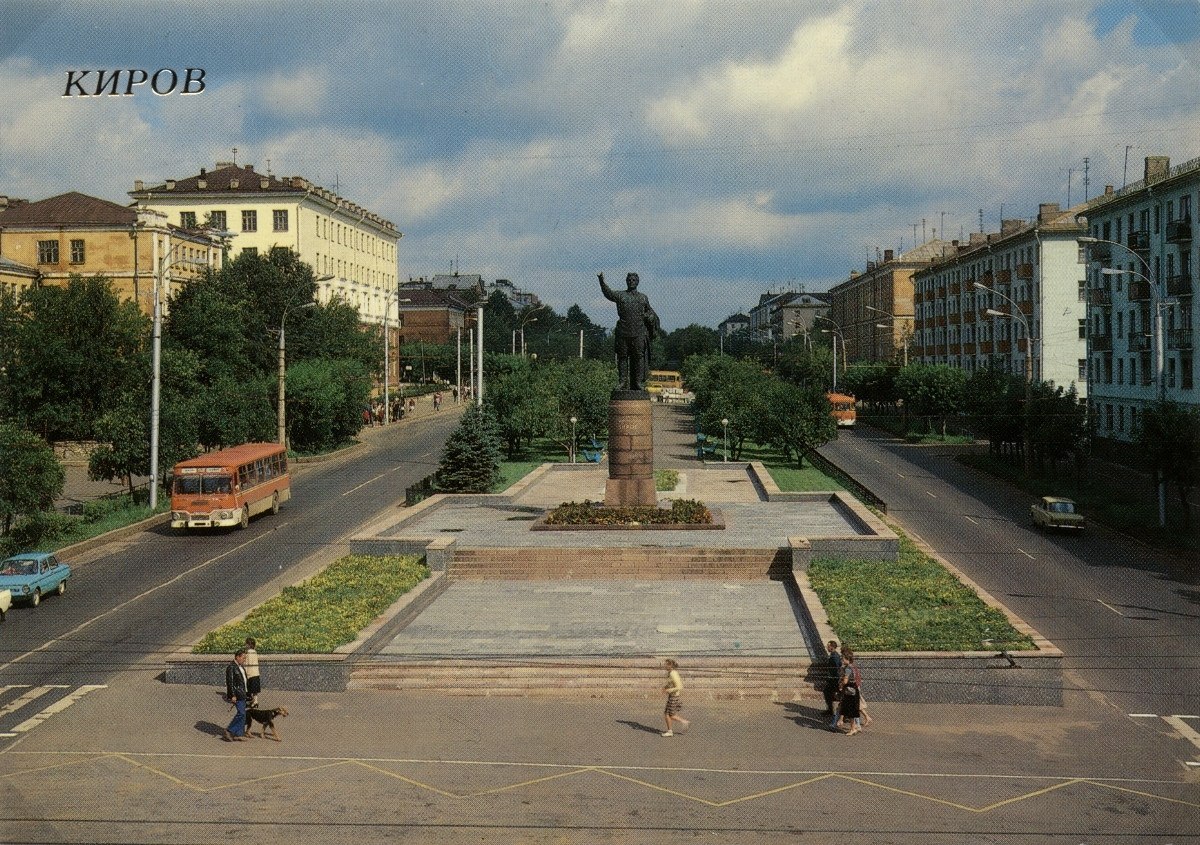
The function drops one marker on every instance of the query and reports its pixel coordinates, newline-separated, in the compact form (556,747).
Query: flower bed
(681,512)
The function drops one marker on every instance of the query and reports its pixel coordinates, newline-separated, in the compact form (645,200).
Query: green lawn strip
(787,477)
(541,451)
(324,612)
(912,604)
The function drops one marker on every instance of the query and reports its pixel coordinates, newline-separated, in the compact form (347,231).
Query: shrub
(681,512)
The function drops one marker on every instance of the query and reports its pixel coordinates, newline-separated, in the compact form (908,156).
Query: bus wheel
(245,521)
(275,503)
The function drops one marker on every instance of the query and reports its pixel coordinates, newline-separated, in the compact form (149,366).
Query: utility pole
(1086,161)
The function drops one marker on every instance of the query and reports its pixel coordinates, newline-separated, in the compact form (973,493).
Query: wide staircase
(706,678)
(644,563)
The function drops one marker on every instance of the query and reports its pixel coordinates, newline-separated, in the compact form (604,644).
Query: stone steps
(619,563)
(713,679)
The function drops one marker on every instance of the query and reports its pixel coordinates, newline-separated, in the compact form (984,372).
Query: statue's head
(631,281)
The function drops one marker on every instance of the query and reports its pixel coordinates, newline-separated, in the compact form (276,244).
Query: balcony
(1139,241)
(1004,277)
(1179,285)
(955,288)
(987,278)
(1004,347)
(955,349)
(1140,343)
(1179,230)
(1099,252)
(1026,308)
(955,318)
(1025,272)
(1180,338)
(1100,297)
(985,347)
(1101,342)
(1139,290)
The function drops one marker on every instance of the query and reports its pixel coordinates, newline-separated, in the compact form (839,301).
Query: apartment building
(47,241)
(780,316)
(873,310)
(1141,307)
(352,250)
(1007,295)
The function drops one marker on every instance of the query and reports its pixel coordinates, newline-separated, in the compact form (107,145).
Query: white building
(1028,270)
(356,248)
(1142,314)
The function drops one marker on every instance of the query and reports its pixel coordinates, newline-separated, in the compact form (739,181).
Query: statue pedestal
(630,451)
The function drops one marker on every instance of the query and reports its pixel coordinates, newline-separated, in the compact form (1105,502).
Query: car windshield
(194,485)
(18,567)
(1062,507)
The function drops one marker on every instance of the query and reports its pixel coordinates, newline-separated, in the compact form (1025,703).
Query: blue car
(31,575)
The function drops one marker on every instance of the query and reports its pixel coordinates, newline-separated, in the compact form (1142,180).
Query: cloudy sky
(721,149)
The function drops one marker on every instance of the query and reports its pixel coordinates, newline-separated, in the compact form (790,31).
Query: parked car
(31,575)
(5,603)
(1056,512)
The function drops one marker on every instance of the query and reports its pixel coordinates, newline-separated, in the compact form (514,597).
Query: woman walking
(848,710)
(674,691)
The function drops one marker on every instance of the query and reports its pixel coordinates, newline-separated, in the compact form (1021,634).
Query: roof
(67,209)
(431,298)
(7,265)
(232,456)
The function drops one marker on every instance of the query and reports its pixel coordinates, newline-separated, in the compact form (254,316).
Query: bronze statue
(637,325)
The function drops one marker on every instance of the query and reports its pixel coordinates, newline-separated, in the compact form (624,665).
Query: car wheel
(36,598)
(3,614)
(245,521)
(61,588)
(275,504)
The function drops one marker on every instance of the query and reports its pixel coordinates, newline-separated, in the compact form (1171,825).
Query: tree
(471,457)
(932,390)
(695,339)
(325,401)
(75,352)
(1170,435)
(31,478)
(576,388)
(800,419)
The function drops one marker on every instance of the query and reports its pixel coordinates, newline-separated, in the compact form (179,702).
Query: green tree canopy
(31,478)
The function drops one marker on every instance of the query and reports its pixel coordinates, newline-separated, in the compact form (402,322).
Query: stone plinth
(630,451)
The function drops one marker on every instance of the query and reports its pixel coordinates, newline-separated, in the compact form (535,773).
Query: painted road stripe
(927,493)
(1143,715)
(1110,607)
(32,695)
(370,481)
(1027,554)
(968,519)
(57,707)
(1186,731)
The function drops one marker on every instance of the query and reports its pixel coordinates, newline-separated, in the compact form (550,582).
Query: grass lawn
(542,451)
(914,604)
(786,475)
(326,611)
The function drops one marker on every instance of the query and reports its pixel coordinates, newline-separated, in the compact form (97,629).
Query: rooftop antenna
(235,156)
(923,239)
(981,221)
(1070,170)
(1002,213)
(1125,171)
(268,167)
(942,224)
(1086,161)
(914,225)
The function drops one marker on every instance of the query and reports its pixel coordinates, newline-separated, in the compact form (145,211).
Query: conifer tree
(471,458)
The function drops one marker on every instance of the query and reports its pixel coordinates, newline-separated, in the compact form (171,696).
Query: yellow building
(50,240)
(355,248)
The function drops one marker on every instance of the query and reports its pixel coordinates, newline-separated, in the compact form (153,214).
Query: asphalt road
(141,599)
(1124,615)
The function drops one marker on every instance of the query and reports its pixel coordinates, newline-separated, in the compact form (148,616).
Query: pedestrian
(437,401)
(412,404)
(253,678)
(454,390)
(833,677)
(366,415)
(848,710)
(674,690)
(235,694)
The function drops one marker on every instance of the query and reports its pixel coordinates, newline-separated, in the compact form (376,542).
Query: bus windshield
(195,485)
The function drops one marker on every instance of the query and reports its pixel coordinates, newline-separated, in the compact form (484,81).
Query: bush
(681,512)
(38,529)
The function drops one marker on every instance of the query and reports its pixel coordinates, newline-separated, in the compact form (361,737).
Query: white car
(5,603)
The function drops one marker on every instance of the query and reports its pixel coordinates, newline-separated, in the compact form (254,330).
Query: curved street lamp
(1017,315)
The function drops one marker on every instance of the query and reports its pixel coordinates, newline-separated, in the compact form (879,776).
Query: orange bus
(226,488)
(843,409)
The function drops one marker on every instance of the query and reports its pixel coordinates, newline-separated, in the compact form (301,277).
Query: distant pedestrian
(366,415)
(412,404)
(236,694)
(454,393)
(437,401)
(848,710)
(833,677)
(674,691)
(253,678)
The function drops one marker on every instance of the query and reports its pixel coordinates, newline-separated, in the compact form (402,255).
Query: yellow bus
(664,383)
(226,488)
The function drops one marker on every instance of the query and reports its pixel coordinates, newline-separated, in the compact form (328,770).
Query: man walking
(236,692)
(833,676)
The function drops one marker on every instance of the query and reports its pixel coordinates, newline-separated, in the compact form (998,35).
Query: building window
(1083,369)
(77,251)
(250,250)
(280,219)
(217,220)
(249,221)
(47,252)
(1083,329)
(187,219)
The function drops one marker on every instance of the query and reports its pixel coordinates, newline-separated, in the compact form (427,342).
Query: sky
(721,150)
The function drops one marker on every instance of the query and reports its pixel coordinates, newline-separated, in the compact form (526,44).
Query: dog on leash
(266,718)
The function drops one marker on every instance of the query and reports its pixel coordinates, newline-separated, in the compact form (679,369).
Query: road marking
(32,695)
(901,474)
(57,707)
(968,519)
(1027,554)
(370,481)
(7,687)
(930,495)
(1143,715)
(141,595)
(1185,730)
(1110,607)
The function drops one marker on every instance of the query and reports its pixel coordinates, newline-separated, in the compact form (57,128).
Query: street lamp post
(1156,340)
(834,333)
(903,329)
(387,342)
(574,420)
(1016,314)
(725,429)
(281,401)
